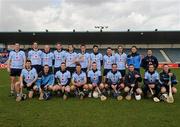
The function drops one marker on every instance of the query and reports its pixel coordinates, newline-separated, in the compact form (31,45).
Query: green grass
(85,113)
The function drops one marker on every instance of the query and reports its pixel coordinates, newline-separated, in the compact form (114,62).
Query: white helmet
(95,94)
(138,97)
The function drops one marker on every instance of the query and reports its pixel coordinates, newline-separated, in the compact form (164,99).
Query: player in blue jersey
(151,82)
(94,79)
(46,82)
(114,81)
(108,60)
(59,57)
(79,82)
(134,58)
(84,58)
(71,59)
(63,80)
(28,78)
(15,64)
(96,57)
(47,57)
(121,60)
(35,56)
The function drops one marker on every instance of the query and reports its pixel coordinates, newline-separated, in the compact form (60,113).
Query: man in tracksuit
(132,79)
(134,58)
(149,59)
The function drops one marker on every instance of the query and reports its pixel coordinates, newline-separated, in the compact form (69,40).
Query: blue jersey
(96,58)
(17,59)
(79,78)
(29,75)
(63,77)
(35,57)
(45,80)
(108,61)
(94,76)
(86,59)
(120,60)
(114,77)
(47,59)
(59,57)
(70,59)
(151,77)
(134,59)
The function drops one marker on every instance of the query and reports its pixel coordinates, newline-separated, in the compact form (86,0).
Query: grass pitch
(87,112)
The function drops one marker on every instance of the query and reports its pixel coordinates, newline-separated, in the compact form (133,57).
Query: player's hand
(29,84)
(137,76)
(151,86)
(132,85)
(170,74)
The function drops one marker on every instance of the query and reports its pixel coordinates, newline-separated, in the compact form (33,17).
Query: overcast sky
(82,15)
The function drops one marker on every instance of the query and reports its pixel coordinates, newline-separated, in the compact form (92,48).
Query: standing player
(108,60)
(46,82)
(79,82)
(134,58)
(96,57)
(27,80)
(94,79)
(120,60)
(71,59)
(131,81)
(114,80)
(47,57)
(151,82)
(149,59)
(84,58)
(59,56)
(15,63)
(165,76)
(35,56)
(63,80)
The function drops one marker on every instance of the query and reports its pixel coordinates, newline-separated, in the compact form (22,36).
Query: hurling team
(66,74)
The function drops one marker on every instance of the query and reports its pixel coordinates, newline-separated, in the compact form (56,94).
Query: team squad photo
(66,73)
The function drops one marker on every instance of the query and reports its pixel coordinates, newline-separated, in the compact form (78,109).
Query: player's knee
(126,89)
(72,88)
(139,91)
(85,86)
(122,85)
(101,86)
(106,86)
(90,87)
(163,89)
(67,89)
(174,90)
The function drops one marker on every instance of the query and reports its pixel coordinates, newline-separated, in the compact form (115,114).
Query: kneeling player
(132,80)
(63,80)
(151,82)
(114,81)
(27,80)
(45,82)
(95,79)
(79,81)
(165,76)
